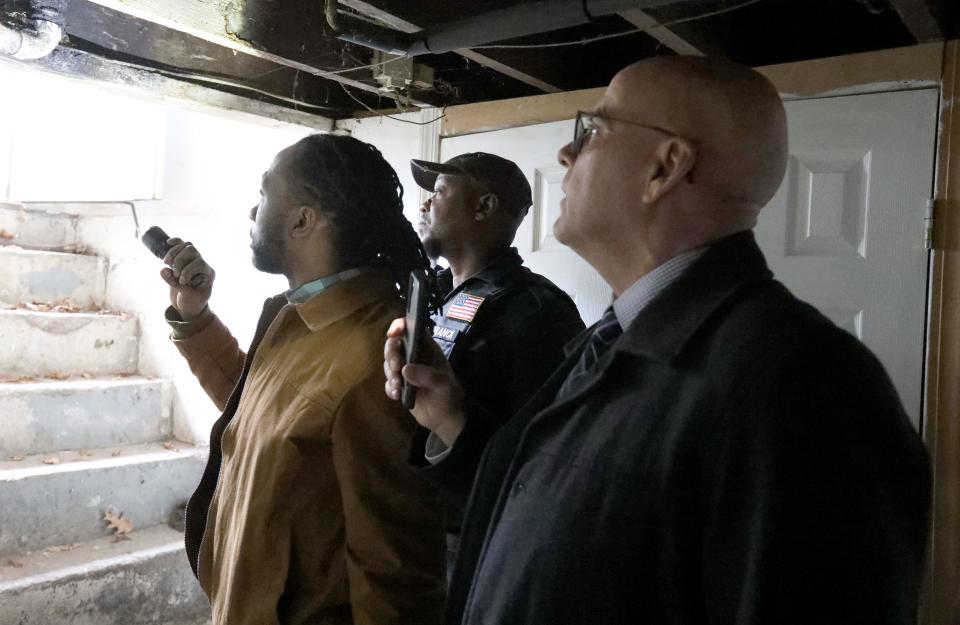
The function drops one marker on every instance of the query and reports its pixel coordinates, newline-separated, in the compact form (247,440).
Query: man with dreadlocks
(307,511)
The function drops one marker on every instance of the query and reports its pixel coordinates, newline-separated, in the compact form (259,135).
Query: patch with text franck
(447,334)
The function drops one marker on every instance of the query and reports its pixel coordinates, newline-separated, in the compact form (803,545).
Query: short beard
(269,252)
(432,247)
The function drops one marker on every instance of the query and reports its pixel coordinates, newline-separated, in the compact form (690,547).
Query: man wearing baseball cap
(502,327)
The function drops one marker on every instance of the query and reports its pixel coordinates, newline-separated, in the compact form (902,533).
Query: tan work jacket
(316,517)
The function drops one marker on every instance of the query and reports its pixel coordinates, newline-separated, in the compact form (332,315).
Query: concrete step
(45,343)
(52,277)
(40,228)
(43,416)
(144,580)
(57,499)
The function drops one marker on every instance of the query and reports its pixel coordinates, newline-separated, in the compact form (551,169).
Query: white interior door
(845,231)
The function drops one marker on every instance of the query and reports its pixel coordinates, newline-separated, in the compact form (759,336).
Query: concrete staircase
(81,433)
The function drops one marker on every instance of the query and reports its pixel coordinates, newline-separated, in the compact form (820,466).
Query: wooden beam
(942,401)
(79,65)
(114,35)
(506,70)
(884,70)
(918,19)
(664,35)
(387,19)
(231,24)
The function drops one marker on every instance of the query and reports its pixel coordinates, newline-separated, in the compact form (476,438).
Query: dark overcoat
(735,458)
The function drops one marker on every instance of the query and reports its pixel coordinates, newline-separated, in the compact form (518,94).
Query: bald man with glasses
(713,450)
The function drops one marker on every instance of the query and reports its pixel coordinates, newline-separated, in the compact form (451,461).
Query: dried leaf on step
(75,249)
(56,375)
(86,376)
(51,460)
(17,564)
(120,524)
(116,452)
(6,235)
(84,454)
(169,445)
(17,458)
(119,538)
(61,548)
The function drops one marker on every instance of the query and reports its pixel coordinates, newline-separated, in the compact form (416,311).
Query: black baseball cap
(494,173)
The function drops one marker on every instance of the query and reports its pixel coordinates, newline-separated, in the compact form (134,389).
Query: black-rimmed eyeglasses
(585,126)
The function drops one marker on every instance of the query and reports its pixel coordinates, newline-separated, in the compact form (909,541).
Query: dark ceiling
(280,49)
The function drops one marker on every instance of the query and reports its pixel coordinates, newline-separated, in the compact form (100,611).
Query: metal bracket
(928,224)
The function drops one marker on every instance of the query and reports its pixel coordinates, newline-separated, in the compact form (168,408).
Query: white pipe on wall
(30,44)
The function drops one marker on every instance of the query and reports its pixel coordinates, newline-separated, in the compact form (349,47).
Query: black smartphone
(417,326)
(156,241)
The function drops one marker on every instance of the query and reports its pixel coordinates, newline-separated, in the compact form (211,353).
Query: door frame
(926,65)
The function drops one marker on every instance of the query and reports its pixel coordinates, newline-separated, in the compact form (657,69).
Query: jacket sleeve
(454,474)
(215,358)
(395,542)
(818,510)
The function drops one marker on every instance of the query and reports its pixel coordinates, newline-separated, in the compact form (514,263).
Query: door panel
(845,231)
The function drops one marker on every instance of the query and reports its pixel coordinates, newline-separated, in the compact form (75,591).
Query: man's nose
(425,207)
(253,212)
(566,155)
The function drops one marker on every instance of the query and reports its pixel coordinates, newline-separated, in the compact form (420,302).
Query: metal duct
(528,18)
(37,33)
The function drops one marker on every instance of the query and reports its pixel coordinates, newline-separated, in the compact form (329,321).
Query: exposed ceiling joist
(387,19)
(506,70)
(224,23)
(918,19)
(77,64)
(662,34)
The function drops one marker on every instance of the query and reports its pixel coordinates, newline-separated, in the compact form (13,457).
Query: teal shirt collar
(306,291)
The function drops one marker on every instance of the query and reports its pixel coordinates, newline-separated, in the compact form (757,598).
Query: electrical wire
(560,44)
(396,119)
(352,69)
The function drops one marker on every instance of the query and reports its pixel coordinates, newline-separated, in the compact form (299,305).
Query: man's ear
(487,206)
(673,161)
(305,221)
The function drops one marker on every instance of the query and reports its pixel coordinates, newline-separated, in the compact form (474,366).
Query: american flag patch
(464,307)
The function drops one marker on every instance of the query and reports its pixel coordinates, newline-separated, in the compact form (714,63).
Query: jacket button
(519,487)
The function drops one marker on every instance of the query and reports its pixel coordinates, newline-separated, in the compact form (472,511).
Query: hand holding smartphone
(417,324)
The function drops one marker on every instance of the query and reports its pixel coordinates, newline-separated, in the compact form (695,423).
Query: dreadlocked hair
(350,182)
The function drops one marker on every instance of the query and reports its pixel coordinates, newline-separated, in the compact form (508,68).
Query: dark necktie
(604,334)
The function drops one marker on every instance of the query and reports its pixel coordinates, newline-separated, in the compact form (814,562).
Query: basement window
(62,140)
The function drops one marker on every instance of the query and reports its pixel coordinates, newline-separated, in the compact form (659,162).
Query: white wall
(399,142)
(212,179)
